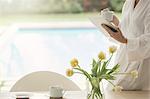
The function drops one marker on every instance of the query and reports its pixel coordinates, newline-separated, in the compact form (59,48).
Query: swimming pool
(37,49)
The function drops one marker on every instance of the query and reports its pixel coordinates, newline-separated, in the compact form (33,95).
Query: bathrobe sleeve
(139,48)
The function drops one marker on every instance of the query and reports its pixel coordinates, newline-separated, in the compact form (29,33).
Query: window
(45,38)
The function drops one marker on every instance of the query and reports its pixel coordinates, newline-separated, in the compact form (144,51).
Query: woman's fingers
(115,20)
(108,30)
(116,35)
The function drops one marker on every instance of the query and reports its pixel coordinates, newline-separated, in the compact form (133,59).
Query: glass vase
(95,91)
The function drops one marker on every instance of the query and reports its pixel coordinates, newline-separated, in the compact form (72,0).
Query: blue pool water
(60,31)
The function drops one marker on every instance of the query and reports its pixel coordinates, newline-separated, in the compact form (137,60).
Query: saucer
(22,94)
(48,95)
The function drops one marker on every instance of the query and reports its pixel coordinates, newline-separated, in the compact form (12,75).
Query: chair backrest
(41,80)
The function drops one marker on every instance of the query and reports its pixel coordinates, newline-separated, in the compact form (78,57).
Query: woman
(134,38)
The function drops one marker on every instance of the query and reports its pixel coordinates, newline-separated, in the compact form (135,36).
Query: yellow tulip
(112,49)
(74,62)
(69,72)
(101,55)
(134,74)
(117,88)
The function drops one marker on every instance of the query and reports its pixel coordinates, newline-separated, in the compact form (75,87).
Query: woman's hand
(116,35)
(115,20)
(109,16)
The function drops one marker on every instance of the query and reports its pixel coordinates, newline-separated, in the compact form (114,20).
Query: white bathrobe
(135,55)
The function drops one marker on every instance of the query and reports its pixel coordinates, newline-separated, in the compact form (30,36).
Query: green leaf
(93,63)
(103,69)
(84,72)
(114,69)
(108,77)
(95,82)
(94,70)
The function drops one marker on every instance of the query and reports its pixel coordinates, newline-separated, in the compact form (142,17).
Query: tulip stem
(111,83)
(99,69)
(78,66)
(78,72)
(109,59)
(122,73)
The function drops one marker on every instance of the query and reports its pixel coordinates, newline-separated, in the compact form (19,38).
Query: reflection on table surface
(81,95)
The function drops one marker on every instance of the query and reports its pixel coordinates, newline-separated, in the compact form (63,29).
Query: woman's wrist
(125,41)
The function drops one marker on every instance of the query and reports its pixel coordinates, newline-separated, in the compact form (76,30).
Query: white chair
(41,80)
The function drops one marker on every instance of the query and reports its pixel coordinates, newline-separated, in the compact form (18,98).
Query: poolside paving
(57,24)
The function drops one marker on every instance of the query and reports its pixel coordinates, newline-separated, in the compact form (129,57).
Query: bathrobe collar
(141,5)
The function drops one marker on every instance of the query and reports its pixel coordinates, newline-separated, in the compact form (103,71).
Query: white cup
(56,92)
(107,14)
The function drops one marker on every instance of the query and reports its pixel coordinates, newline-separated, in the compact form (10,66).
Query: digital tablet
(99,20)
(112,28)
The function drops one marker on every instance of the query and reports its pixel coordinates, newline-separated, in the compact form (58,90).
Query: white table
(82,95)
(128,95)
(44,95)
